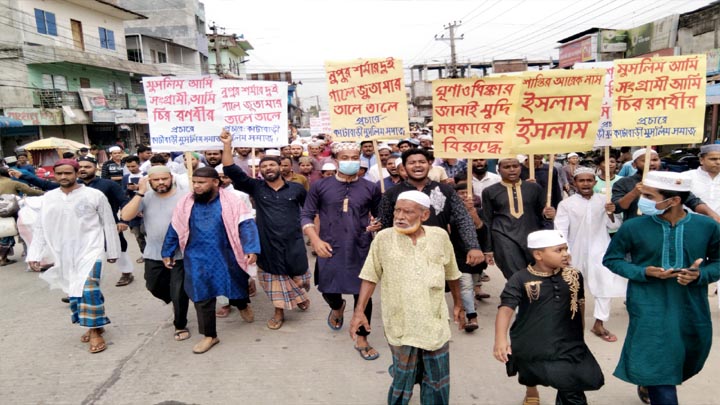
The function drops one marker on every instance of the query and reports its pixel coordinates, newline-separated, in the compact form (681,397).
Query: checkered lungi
(430,369)
(89,310)
(284,291)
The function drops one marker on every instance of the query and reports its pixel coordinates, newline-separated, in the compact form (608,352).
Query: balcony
(54,98)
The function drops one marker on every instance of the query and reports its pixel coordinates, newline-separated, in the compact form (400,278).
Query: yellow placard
(559,111)
(474,118)
(659,101)
(367,99)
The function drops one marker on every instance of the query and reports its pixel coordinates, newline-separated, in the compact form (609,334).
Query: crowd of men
(398,217)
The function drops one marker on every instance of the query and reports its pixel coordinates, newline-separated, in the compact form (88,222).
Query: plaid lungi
(89,310)
(430,369)
(284,291)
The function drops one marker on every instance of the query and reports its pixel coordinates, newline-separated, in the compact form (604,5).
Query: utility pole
(453,56)
(218,60)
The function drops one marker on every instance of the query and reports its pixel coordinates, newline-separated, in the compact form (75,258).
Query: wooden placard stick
(188,164)
(252,166)
(531,166)
(551,168)
(379,166)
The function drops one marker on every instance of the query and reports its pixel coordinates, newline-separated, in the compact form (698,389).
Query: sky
(299,36)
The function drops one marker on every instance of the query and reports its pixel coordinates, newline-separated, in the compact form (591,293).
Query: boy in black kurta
(547,345)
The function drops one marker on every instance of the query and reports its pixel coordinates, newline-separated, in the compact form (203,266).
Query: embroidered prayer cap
(508,158)
(415,196)
(572,155)
(521,158)
(384,146)
(364,163)
(161,169)
(328,166)
(545,238)
(343,146)
(68,162)
(715,147)
(583,170)
(425,138)
(296,142)
(414,142)
(641,152)
(392,142)
(208,172)
(398,162)
(272,152)
(670,181)
(114,149)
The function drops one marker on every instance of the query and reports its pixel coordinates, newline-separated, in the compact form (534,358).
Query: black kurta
(278,222)
(508,235)
(547,336)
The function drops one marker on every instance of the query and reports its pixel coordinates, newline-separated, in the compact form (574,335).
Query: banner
(604,133)
(367,99)
(475,118)
(321,124)
(188,113)
(559,111)
(255,112)
(183,113)
(659,101)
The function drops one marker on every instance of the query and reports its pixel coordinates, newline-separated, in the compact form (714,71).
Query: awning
(7,122)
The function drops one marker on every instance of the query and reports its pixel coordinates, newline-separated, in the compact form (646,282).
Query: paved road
(43,362)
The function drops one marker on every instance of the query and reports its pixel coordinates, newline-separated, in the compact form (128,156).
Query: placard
(255,112)
(559,111)
(659,100)
(367,99)
(475,118)
(604,133)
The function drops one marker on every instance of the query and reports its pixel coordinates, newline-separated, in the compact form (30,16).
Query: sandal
(182,334)
(365,352)
(86,336)
(471,325)
(140,260)
(275,324)
(205,345)
(531,401)
(99,344)
(336,323)
(605,335)
(224,311)
(125,279)
(643,394)
(303,306)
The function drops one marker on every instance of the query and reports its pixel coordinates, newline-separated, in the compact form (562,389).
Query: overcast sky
(300,35)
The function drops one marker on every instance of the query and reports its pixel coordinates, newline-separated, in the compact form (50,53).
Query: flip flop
(365,353)
(224,311)
(275,324)
(339,321)
(97,348)
(605,335)
(86,336)
(179,335)
(531,401)
(303,306)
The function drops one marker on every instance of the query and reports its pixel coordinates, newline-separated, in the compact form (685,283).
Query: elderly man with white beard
(413,262)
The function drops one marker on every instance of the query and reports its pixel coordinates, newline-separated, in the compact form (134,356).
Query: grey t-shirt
(157,214)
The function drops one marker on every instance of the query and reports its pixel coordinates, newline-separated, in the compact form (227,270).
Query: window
(107,38)
(161,57)
(45,22)
(56,82)
(134,55)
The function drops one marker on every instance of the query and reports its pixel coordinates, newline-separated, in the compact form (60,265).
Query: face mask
(349,167)
(648,207)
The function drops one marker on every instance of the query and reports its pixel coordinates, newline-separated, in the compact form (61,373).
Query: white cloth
(372,173)
(245,199)
(602,308)
(706,188)
(75,228)
(585,224)
(488,180)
